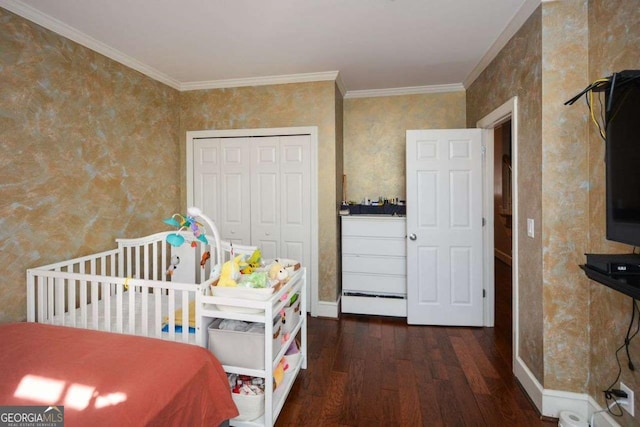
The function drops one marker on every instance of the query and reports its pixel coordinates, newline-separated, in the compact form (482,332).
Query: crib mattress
(106,378)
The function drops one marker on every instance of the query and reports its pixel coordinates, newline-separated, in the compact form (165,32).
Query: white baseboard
(531,386)
(551,402)
(328,309)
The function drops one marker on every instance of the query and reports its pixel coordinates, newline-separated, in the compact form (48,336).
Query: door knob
(412,236)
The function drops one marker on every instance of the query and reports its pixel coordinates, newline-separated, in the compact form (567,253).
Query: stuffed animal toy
(230,273)
(278,272)
(205,257)
(175,260)
(254,261)
(241,261)
(278,373)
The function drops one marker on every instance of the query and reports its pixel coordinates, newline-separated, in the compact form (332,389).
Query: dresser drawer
(374,246)
(374,264)
(378,227)
(374,283)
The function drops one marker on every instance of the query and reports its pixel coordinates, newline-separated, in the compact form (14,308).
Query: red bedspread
(111,379)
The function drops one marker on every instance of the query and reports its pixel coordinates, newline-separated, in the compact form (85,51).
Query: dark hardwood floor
(378,371)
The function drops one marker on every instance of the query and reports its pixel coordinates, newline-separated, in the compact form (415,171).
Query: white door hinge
(484,221)
(484,293)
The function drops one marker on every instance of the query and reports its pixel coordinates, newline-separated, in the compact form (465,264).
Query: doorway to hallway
(503,231)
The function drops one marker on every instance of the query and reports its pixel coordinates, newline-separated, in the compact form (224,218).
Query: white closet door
(206,176)
(295,191)
(265,196)
(235,195)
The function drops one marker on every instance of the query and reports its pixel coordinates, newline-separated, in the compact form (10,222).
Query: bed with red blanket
(104,378)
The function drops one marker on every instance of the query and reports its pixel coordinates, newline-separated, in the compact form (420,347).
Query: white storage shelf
(374,265)
(208,310)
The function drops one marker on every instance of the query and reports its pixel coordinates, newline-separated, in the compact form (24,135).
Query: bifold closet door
(258,191)
(280,196)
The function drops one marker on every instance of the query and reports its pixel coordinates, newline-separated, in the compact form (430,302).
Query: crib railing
(123,290)
(127,289)
(46,300)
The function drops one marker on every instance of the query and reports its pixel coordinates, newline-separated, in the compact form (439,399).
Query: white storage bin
(291,316)
(250,407)
(242,349)
(293,359)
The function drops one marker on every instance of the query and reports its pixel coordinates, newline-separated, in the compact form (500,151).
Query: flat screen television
(622,120)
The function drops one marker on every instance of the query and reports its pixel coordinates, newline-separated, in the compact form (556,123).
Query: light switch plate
(530,227)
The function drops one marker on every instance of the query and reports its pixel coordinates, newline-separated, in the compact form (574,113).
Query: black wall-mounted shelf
(627,284)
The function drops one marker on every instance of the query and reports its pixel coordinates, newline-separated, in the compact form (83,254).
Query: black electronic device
(615,264)
(622,159)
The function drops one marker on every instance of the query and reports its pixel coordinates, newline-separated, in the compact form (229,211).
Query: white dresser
(374,265)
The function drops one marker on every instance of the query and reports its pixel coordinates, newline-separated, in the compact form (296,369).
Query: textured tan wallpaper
(375,138)
(300,104)
(614,45)
(88,153)
(517,70)
(565,150)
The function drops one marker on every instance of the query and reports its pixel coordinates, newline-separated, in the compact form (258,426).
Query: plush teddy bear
(278,272)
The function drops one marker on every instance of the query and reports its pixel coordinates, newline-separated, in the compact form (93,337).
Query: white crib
(127,289)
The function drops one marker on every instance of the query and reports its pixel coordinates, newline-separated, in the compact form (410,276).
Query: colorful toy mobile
(189,222)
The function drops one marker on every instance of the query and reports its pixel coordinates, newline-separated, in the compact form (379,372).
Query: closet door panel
(206,167)
(235,200)
(265,195)
(292,250)
(295,182)
(233,210)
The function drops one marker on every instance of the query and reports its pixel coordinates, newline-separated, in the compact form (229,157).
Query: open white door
(444,227)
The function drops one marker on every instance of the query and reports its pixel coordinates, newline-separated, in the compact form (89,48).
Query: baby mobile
(188,222)
(182,222)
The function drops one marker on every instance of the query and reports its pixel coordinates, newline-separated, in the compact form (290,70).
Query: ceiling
(371,45)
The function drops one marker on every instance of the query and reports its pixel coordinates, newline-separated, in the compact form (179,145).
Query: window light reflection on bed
(40,389)
(75,396)
(110,399)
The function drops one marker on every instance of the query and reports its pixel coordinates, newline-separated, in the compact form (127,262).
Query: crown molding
(260,81)
(521,16)
(411,90)
(89,42)
(85,40)
(59,27)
